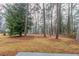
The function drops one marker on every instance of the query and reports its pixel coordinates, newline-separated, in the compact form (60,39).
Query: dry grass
(12,45)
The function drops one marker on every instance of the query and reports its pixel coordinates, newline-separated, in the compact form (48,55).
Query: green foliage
(15,18)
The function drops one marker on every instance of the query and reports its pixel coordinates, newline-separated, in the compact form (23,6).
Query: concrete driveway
(43,54)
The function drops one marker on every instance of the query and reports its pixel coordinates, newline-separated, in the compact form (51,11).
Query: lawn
(12,45)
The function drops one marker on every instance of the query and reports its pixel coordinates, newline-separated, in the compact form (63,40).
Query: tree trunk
(25,32)
(4,34)
(52,6)
(20,34)
(77,36)
(58,19)
(68,22)
(71,17)
(44,20)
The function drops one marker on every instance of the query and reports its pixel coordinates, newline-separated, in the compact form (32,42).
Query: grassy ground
(12,45)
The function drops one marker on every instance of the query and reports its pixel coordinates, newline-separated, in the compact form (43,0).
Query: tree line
(44,18)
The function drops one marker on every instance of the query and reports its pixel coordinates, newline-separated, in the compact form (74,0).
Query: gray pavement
(43,54)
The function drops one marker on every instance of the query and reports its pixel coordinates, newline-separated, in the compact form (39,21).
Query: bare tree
(52,7)
(58,20)
(25,31)
(44,19)
(71,17)
(68,22)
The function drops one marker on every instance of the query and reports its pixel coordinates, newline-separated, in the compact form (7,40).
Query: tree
(36,9)
(68,22)
(44,20)
(15,18)
(77,36)
(72,17)
(52,7)
(58,20)
(25,31)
